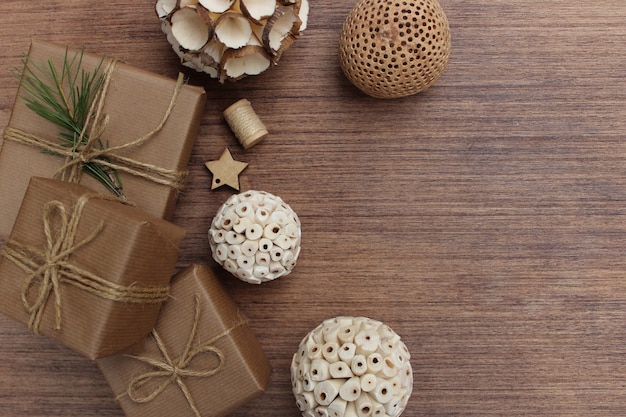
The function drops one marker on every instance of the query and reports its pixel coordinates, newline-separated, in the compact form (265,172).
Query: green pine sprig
(64,98)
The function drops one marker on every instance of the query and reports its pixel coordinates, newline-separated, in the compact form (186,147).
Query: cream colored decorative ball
(231,39)
(255,236)
(395,48)
(352,366)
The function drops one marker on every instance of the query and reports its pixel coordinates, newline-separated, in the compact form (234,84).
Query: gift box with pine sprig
(87,118)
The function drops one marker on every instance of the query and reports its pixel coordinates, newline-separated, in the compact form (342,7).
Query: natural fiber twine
(245,123)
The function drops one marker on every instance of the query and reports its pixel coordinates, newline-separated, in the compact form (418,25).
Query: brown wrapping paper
(135,104)
(197,383)
(133,255)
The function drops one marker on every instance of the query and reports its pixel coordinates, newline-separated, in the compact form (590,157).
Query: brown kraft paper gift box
(86,269)
(135,104)
(179,372)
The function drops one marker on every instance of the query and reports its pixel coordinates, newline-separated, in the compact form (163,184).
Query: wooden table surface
(484,220)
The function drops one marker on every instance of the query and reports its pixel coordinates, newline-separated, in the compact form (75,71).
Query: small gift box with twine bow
(140,125)
(202,358)
(86,269)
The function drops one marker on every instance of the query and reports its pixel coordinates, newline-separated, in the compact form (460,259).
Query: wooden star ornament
(226,170)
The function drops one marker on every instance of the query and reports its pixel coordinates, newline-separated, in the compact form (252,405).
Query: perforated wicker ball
(255,236)
(395,48)
(352,366)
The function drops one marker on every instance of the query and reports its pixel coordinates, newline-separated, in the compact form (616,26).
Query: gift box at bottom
(202,358)
(85,269)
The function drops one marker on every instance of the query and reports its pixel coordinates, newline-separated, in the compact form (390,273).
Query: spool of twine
(245,123)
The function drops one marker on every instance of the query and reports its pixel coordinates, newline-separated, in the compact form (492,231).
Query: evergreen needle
(65,98)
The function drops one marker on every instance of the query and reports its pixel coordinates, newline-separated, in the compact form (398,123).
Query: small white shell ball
(255,236)
(352,366)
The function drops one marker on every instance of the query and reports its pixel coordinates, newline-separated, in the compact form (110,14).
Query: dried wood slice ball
(231,39)
(352,366)
(256,237)
(394,48)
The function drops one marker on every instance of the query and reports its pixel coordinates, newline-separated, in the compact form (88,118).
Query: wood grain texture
(483,220)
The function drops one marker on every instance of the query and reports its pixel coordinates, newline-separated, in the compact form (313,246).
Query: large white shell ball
(255,236)
(352,366)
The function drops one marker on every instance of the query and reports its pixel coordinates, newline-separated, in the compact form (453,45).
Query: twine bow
(77,157)
(51,267)
(171,370)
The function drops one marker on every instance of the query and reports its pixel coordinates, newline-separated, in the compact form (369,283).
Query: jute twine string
(245,123)
(95,126)
(51,267)
(176,370)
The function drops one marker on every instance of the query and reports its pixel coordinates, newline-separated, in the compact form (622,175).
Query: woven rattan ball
(394,48)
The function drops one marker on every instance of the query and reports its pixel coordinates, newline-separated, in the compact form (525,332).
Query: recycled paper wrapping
(119,255)
(135,104)
(203,386)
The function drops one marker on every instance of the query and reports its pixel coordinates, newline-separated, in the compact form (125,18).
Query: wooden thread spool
(245,124)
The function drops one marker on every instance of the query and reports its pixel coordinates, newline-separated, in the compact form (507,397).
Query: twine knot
(84,159)
(170,370)
(60,231)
